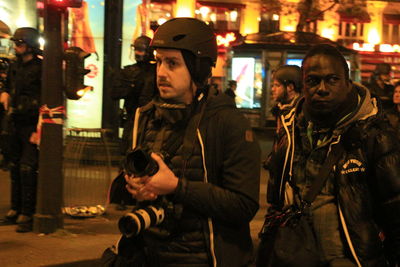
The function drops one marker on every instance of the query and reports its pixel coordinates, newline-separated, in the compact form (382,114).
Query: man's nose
(322,90)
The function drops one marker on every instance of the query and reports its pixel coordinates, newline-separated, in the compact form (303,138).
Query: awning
(359,17)
(285,40)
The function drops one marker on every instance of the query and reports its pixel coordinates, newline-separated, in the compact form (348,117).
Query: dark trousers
(23,170)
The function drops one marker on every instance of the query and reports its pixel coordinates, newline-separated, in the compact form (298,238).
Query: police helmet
(188,34)
(289,74)
(382,68)
(142,43)
(27,35)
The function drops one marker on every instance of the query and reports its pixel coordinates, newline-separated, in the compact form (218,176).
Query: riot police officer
(22,95)
(380,84)
(135,84)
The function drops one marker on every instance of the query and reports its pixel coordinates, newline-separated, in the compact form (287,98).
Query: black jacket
(221,196)
(24,83)
(366,178)
(135,84)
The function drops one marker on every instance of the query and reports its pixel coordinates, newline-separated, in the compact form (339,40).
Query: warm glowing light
(225,40)
(233,15)
(161,21)
(373,36)
(328,33)
(389,48)
(275,17)
(185,8)
(289,28)
(22,21)
(41,42)
(204,10)
(364,47)
(213,17)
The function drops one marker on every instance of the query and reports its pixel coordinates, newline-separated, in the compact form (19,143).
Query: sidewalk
(82,241)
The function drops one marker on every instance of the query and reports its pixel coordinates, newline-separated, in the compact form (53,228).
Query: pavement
(81,241)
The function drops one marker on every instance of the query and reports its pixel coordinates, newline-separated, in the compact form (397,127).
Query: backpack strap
(333,156)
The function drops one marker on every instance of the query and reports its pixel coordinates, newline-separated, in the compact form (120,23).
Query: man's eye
(311,81)
(171,63)
(332,80)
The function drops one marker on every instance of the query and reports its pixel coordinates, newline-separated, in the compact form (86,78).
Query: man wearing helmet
(22,95)
(135,84)
(210,179)
(380,84)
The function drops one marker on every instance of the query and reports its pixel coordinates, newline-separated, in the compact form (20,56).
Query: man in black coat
(135,84)
(22,95)
(355,216)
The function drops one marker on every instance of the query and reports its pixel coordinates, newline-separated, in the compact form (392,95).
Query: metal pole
(112,61)
(48,217)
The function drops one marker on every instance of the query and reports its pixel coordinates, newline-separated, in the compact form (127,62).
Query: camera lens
(140,163)
(133,223)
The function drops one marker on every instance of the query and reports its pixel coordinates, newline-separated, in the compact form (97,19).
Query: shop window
(391,29)
(351,24)
(351,31)
(311,26)
(269,23)
(222,16)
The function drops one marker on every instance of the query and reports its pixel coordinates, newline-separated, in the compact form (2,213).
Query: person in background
(5,115)
(380,84)
(22,94)
(135,84)
(286,90)
(361,195)
(209,172)
(230,91)
(394,113)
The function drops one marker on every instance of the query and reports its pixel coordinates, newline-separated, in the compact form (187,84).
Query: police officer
(135,84)
(380,84)
(22,95)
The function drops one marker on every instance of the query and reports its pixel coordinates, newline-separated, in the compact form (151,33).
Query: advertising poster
(248,73)
(87,32)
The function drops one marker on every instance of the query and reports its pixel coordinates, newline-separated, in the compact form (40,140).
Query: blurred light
(289,28)
(233,15)
(213,17)
(373,36)
(168,15)
(364,47)
(42,42)
(225,40)
(161,21)
(183,12)
(204,11)
(275,17)
(328,33)
(389,48)
(22,21)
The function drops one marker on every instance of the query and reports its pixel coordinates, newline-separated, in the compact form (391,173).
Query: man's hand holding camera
(150,187)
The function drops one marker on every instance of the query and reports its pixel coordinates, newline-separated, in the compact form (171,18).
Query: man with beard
(207,180)
(22,95)
(354,216)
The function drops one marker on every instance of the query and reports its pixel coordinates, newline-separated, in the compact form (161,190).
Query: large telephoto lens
(139,163)
(138,220)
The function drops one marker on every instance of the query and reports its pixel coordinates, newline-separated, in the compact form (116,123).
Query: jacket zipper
(210,224)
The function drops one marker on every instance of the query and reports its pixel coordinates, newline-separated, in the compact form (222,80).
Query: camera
(135,222)
(139,163)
